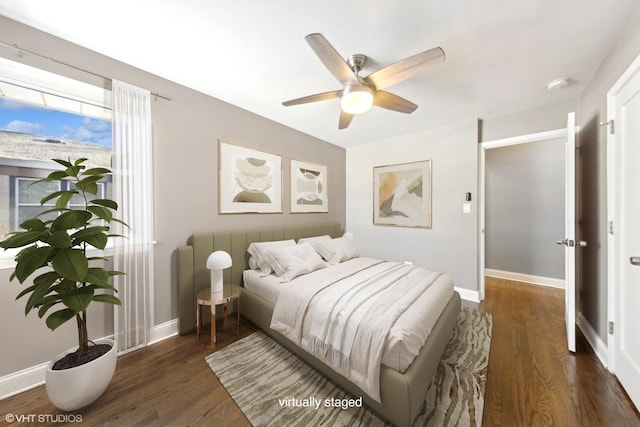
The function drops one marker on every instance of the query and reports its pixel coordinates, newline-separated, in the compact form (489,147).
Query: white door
(625,261)
(570,241)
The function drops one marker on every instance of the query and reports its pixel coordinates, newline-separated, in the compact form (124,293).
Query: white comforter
(345,319)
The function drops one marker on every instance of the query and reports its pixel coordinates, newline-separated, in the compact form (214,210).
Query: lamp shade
(219,260)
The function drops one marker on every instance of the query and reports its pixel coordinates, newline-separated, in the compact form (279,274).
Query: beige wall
(451,245)
(185,134)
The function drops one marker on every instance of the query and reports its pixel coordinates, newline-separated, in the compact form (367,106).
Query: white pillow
(335,251)
(315,239)
(292,261)
(253,264)
(260,251)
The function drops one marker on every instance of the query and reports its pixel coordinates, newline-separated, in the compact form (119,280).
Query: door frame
(482,148)
(613,199)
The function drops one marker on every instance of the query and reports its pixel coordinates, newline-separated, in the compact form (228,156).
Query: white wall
(451,245)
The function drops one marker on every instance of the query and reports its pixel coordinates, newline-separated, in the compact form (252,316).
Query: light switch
(466,208)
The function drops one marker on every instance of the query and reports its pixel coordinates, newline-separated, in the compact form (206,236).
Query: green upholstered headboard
(194,276)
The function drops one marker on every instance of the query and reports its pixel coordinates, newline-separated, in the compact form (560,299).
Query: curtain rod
(22,51)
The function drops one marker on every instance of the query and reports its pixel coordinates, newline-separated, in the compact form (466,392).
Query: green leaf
(78,299)
(33,224)
(60,239)
(105,202)
(97,171)
(53,176)
(71,219)
(116,273)
(55,194)
(97,276)
(88,184)
(30,261)
(54,210)
(59,317)
(80,161)
(95,236)
(46,306)
(22,238)
(37,297)
(71,264)
(64,163)
(73,170)
(26,291)
(46,279)
(64,198)
(101,212)
(110,299)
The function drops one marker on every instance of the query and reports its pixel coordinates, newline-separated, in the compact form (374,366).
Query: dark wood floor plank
(532,379)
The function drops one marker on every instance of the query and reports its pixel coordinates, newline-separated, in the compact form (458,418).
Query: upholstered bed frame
(401,394)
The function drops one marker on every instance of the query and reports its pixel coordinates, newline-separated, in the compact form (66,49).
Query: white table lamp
(218,261)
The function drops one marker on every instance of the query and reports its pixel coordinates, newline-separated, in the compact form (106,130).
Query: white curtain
(133,191)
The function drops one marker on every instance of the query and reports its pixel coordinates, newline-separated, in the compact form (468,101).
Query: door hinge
(611,124)
(610,328)
(611,227)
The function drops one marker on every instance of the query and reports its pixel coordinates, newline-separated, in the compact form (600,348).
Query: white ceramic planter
(75,388)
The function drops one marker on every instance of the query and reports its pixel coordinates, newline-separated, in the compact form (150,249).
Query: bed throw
(351,314)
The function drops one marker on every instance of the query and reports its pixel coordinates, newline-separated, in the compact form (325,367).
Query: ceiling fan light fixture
(356,99)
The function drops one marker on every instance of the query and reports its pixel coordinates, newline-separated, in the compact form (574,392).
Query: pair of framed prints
(250,181)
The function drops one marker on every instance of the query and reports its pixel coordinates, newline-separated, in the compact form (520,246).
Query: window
(29,192)
(45,116)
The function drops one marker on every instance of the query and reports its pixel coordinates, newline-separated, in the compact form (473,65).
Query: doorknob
(634,260)
(571,243)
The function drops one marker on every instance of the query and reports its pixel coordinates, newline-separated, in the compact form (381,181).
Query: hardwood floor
(532,379)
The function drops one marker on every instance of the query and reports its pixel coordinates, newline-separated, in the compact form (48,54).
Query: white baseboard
(599,347)
(468,294)
(34,376)
(526,278)
(23,380)
(163,331)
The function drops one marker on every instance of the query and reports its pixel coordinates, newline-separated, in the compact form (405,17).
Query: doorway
(520,242)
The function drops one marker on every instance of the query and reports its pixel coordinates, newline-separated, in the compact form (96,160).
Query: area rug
(272,387)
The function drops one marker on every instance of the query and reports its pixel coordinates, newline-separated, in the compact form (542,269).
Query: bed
(401,391)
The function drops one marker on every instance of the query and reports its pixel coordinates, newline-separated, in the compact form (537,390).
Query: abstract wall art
(402,194)
(308,187)
(249,181)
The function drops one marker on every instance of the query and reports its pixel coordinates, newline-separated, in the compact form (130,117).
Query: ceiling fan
(359,94)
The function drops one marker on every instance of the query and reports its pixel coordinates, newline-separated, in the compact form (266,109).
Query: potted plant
(67,278)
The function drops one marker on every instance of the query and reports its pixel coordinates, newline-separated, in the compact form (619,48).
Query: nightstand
(229,293)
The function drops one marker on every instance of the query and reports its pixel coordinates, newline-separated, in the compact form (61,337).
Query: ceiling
(500,54)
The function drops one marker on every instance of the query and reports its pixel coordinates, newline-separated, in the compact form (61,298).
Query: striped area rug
(273,387)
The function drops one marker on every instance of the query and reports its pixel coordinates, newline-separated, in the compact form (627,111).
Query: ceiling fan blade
(331,59)
(404,69)
(314,98)
(345,120)
(393,102)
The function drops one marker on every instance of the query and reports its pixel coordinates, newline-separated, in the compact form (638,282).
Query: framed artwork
(249,181)
(402,194)
(308,187)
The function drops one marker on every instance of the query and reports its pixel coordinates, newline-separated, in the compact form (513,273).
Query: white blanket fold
(350,315)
